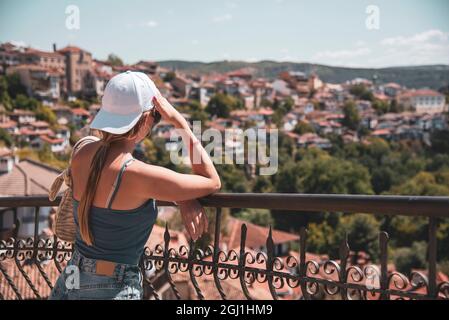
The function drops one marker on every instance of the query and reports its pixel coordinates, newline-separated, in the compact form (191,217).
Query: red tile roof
(34,275)
(40,124)
(28,178)
(8,124)
(256,235)
(51,140)
(422,93)
(31,51)
(381,132)
(80,112)
(72,49)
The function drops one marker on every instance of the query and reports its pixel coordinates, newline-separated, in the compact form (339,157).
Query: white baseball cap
(126,96)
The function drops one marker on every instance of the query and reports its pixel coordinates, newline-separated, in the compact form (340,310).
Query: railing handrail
(271,270)
(372,204)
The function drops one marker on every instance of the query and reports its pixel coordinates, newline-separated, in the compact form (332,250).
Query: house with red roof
(392,89)
(26,178)
(6,123)
(256,237)
(56,144)
(80,116)
(22,117)
(40,81)
(7,160)
(423,101)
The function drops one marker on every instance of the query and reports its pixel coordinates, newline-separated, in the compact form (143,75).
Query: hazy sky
(332,32)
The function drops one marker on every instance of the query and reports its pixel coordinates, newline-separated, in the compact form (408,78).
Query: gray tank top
(119,235)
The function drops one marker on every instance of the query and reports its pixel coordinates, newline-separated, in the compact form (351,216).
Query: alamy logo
(253,146)
(372,21)
(72,21)
(73,277)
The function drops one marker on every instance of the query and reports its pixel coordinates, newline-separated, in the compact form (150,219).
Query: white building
(423,101)
(7,160)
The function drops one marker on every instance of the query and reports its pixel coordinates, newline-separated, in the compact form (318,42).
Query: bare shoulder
(85,154)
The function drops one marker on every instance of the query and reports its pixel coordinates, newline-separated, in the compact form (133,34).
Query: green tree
(233,178)
(15,86)
(197,112)
(281,108)
(352,118)
(317,172)
(26,103)
(114,60)
(5,137)
(263,184)
(47,156)
(261,217)
(45,113)
(362,231)
(361,92)
(79,103)
(423,184)
(440,141)
(221,105)
(169,76)
(155,153)
(381,107)
(303,127)
(409,258)
(5,98)
(321,237)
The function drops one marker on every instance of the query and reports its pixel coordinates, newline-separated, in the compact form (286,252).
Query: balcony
(28,267)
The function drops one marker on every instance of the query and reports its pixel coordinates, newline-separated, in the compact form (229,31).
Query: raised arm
(172,186)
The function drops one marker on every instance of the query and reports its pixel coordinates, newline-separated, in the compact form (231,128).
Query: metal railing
(306,279)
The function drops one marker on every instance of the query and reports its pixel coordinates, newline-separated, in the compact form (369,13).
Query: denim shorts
(78,281)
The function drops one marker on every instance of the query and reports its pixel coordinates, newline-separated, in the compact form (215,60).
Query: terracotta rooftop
(421,93)
(34,275)
(71,49)
(8,124)
(80,112)
(40,124)
(30,51)
(51,140)
(28,178)
(256,235)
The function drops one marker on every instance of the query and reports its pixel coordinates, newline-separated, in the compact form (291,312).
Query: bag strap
(65,175)
(81,143)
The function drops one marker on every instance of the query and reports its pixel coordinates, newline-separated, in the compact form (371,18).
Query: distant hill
(432,76)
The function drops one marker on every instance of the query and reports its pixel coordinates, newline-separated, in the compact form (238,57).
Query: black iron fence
(28,267)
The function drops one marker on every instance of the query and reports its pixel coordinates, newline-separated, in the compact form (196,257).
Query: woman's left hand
(194,218)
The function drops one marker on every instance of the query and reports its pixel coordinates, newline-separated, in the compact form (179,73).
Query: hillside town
(67,74)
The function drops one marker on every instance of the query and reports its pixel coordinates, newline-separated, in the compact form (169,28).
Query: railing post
(217,252)
(302,262)
(343,274)
(167,262)
(383,245)
(36,232)
(432,257)
(270,264)
(242,262)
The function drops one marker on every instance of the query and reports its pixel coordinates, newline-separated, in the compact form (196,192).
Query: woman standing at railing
(114,194)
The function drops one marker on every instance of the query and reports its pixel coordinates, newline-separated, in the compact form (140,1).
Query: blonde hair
(96,167)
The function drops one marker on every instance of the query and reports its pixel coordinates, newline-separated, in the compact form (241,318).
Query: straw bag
(64,227)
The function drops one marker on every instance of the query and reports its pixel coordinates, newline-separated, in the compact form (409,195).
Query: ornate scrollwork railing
(29,267)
